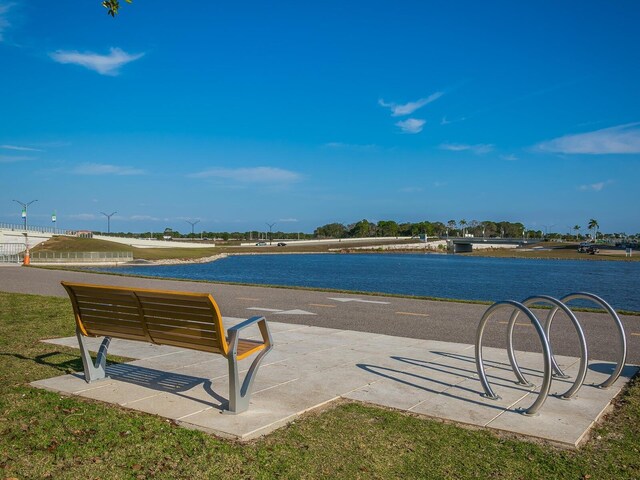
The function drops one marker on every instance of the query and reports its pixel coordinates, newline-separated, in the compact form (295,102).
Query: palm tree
(463,223)
(577,229)
(593,225)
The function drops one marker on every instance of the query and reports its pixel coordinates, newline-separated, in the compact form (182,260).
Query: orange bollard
(26,261)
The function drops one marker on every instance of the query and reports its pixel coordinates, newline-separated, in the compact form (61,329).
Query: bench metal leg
(240,394)
(93,371)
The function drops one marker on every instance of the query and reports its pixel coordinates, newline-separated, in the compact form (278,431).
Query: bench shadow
(163,381)
(66,366)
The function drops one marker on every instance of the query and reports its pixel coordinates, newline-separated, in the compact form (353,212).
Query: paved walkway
(311,366)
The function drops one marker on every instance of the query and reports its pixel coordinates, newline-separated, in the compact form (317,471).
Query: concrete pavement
(312,366)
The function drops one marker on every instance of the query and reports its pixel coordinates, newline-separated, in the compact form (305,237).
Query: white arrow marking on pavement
(295,312)
(359,300)
(282,312)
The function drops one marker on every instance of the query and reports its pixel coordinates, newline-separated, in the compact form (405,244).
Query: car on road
(261,244)
(282,244)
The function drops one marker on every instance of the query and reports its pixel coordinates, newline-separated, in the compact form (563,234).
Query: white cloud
(399,110)
(103,64)
(21,149)
(250,175)
(614,140)
(139,218)
(105,169)
(595,187)
(4,22)
(509,157)
(351,146)
(288,220)
(13,158)
(411,125)
(480,148)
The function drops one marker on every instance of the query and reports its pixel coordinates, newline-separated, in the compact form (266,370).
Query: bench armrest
(245,324)
(234,332)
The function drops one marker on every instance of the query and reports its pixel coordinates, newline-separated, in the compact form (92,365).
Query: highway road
(404,317)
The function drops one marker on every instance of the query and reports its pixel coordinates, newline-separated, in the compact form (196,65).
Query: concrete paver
(312,365)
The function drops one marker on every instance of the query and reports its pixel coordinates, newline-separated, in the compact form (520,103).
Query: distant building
(84,234)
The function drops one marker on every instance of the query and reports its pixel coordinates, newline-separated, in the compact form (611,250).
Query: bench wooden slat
(198,316)
(103,307)
(175,341)
(195,303)
(117,331)
(248,347)
(96,319)
(105,295)
(106,314)
(171,322)
(209,335)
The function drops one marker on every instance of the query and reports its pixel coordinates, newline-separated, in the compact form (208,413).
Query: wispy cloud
(510,157)
(105,169)
(446,121)
(14,158)
(264,175)
(351,146)
(288,220)
(411,125)
(21,149)
(103,64)
(595,187)
(614,140)
(480,148)
(4,21)
(399,110)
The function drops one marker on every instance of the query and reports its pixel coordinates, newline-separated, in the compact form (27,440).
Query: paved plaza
(312,366)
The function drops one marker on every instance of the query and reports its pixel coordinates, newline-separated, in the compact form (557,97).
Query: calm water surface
(443,276)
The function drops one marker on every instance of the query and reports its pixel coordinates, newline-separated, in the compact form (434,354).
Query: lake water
(442,276)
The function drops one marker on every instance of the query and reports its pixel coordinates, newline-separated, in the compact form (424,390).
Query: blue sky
(241,113)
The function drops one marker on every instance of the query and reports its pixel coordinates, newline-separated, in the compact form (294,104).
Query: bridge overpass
(467,244)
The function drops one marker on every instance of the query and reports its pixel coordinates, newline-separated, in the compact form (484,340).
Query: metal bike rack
(622,339)
(558,305)
(546,349)
(551,367)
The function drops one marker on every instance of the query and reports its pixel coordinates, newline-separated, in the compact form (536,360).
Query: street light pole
(270,225)
(25,206)
(192,224)
(108,220)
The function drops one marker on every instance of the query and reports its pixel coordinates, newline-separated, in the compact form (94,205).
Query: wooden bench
(181,319)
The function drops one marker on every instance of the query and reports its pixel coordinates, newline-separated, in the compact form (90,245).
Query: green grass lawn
(46,435)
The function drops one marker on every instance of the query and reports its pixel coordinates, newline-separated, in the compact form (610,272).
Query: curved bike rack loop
(557,305)
(622,339)
(546,352)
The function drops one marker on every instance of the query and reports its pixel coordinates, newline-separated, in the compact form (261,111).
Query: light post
(192,225)
(25,206)
(108,220)
(270,225)
(546,229)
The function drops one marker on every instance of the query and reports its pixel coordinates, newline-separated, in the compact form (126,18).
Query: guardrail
(81,257)
(35,229)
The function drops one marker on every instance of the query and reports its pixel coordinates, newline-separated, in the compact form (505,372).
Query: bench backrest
(181,319)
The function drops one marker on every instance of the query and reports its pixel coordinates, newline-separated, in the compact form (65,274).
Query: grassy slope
(44,435)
